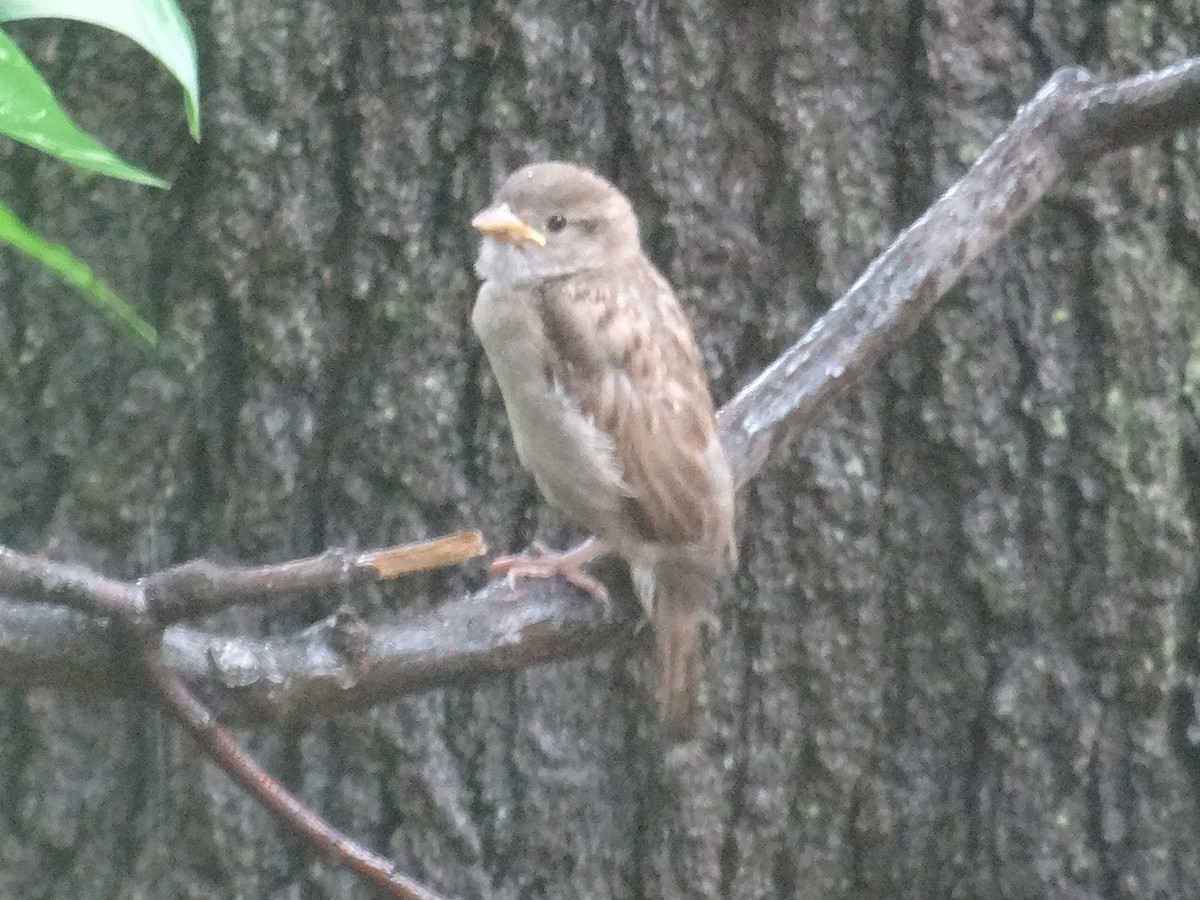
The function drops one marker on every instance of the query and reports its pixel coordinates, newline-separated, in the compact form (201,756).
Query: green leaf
(75,273)
(157,25)
(30,114)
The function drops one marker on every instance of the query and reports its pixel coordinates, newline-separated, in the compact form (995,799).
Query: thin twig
(32,579)
(201,588)
(243,768)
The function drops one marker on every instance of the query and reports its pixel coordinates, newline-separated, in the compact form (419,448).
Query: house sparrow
(609,405)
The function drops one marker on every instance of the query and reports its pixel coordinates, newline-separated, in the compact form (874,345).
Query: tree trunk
(960,657)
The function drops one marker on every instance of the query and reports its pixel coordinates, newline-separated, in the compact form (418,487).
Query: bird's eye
(555,223)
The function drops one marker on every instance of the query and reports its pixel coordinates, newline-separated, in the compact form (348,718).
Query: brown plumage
(609,405)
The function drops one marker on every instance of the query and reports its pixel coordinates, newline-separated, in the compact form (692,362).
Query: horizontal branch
(275,680)
(1070,123)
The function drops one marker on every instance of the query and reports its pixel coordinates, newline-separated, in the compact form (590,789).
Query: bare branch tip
(451,550)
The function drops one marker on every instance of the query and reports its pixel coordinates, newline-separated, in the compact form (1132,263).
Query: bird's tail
(681,594)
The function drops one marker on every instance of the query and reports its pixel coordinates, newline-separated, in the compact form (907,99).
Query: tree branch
(130,614)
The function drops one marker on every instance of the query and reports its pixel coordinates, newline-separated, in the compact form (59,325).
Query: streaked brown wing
(626,355)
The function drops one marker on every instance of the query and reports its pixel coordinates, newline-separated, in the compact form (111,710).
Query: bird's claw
(540,562)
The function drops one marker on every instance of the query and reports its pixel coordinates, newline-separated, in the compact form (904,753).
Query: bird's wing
(622,349)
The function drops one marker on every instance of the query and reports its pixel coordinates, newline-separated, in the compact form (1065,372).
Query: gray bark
(960,658)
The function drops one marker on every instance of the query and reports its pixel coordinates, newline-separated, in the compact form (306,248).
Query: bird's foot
(540,562)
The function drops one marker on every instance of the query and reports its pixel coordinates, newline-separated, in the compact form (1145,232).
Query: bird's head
(551,220)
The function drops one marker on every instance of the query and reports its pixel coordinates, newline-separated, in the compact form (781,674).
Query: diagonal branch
(1070,122)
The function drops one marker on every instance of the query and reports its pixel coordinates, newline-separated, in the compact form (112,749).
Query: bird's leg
(540,562)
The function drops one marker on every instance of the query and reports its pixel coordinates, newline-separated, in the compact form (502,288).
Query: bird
(609,405)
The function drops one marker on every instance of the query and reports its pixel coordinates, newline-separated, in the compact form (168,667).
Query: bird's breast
(573,461)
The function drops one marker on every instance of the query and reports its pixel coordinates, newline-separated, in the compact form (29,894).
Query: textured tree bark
(960,657)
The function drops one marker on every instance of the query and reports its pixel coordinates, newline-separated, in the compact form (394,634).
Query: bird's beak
(505,225)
